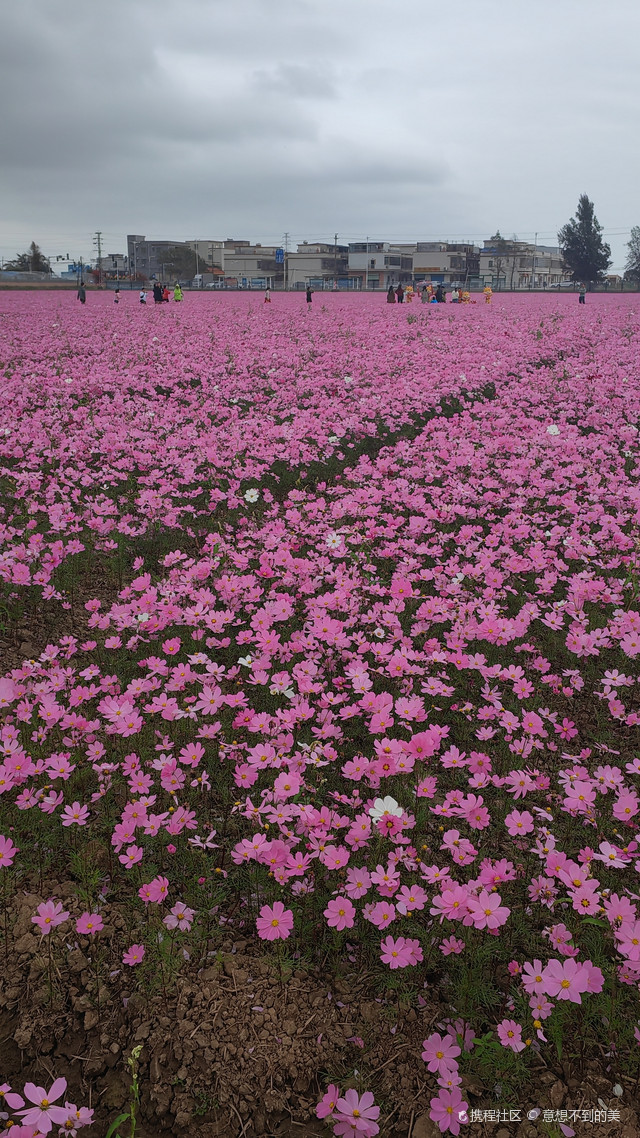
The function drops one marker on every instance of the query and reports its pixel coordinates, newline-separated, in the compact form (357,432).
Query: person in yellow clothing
(177,293)
(488,293)
(466,297)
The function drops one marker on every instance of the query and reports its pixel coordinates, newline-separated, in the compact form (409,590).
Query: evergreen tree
(33,261)
(632,267)
(585,255)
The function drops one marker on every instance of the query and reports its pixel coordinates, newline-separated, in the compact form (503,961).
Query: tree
(585,255)
(33,261)
(180,263)
(632,267)
(505,256)
(500,248)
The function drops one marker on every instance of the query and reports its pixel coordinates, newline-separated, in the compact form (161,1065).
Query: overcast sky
(248,118)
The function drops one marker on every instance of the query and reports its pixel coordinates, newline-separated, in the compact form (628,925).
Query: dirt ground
(235,1048)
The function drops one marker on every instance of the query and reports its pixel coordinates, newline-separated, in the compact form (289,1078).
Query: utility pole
(533,260)
(285,242)
(335,258)
(98,242)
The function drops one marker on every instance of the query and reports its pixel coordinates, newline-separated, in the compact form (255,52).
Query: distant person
(391,296)
(165,295)
(143,296)
(116,299)
(440,294)
(399,294)
(488,294)
(454,296)
(460,295)
(82,293)
(424,295)
(267,296)
(309,296)
(157,293)
(177,293)
(582,294)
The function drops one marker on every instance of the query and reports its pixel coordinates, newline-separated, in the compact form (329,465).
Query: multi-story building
(380,264)
(252,266)
(520,265)
(113,265)
(444,263)
(149,258)
(318,264)
(210,254)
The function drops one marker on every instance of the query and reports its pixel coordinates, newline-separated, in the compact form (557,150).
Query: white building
(520,265)
(380,264)
(319,264)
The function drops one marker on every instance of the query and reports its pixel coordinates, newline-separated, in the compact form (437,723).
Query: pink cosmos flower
(7,852)
(76,814)
(340,913)
(396,953)
(451,944)
(358,882)
(519,822)
(449,1110)
(157,890)
(180,917)
(275,922)
(43,1114)
(410,898)
(132,856)
(327,1104)
(382,914)
(48,915)
(486,911)
(564,980)
(356,1114)
(133,955)
(440,1052)
(510,1035)
(89,924)
(532,978)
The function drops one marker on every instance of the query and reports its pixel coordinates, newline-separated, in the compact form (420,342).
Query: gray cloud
(210,118)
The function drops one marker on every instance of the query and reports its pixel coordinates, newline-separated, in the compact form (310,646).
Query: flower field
(319,714)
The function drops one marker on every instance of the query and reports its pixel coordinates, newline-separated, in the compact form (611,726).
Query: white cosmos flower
(553,430)
(143,617)
(383,806)
(251,495)
(333,439)
(379,632)
(246,661)
(333,540)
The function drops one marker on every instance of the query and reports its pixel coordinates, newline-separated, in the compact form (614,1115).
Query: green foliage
(584,253)
(632,267)
(33,261)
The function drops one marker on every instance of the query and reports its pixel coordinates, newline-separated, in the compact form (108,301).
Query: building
(441,262)
(520,265)
(210,254)
(379,264)
(318,264)
(149,259)
(113,266)
(252,266)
